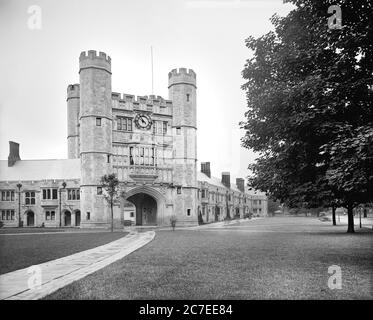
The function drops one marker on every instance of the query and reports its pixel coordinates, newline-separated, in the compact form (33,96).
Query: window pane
(54,193)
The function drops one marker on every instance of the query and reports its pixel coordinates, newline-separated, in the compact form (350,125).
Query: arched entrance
(146,209)
(67,218)
(77,218)
(30,218)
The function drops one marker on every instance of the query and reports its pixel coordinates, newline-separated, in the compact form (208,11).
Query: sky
(39,60)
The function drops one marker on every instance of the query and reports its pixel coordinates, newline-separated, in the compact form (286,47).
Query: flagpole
(151,54)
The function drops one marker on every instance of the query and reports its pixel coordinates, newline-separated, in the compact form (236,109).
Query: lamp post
(19,186)
(60,189)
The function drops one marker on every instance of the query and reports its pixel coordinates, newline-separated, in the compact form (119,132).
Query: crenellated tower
(95,135)
(182,91)
(73,106)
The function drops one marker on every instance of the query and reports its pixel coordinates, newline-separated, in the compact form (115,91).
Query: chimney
(240,183)
(13,153)
(205,168)
(226,179)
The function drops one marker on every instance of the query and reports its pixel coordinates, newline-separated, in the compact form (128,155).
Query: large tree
(309,96)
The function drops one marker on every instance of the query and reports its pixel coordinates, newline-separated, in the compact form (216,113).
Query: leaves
(309,105)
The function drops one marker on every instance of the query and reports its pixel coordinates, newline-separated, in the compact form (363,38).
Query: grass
(32,230)
(22,251)
(276,258)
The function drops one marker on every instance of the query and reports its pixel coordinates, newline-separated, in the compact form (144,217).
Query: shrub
(127,223)
(1,224)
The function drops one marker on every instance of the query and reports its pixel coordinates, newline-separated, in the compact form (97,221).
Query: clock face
(143,121)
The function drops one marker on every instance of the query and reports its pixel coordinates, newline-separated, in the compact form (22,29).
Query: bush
(173,222)
(1,224)
(127,223)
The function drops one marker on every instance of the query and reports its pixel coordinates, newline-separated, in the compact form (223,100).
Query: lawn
(265,259)
(22,251)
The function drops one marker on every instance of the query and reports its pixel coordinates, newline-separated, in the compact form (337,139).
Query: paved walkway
(39,281)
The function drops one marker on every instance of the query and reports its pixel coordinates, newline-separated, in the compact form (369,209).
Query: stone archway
(77,218)
(30,218)
(146,209)
(67,218)
(149,204)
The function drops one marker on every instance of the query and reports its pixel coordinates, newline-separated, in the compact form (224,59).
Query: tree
(309,96)
(110,184)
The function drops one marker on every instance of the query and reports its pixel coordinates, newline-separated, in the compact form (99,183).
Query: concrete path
(41,280)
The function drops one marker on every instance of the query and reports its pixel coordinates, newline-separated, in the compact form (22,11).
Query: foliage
(309,97)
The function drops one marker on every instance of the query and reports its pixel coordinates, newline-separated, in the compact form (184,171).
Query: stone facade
(149,142)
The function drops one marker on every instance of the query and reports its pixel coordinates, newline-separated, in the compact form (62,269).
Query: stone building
(150,143)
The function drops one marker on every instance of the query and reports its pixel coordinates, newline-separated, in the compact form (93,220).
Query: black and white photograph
(190,156)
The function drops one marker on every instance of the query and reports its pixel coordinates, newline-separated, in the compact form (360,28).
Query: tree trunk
(112,216)
(333,215)
(350,215)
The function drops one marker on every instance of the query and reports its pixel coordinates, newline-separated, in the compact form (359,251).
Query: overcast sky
(208,36)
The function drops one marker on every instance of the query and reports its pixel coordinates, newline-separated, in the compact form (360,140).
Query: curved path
(38,281)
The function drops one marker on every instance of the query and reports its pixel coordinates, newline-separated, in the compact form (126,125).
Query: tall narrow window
(98,122)
(164,127)
(132,162)
(99,190)
(178,190)
(88,216)
(188,212)
(187,97)
(178,131)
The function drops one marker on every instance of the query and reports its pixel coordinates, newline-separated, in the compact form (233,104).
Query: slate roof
(33,170)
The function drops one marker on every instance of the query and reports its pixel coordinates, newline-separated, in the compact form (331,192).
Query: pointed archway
(149,203)
(30,218)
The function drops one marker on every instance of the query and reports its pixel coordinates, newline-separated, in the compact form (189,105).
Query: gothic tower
(182,92)
(95,135)
(73,106)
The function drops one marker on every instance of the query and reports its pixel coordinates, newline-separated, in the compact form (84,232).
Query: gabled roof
(26,170)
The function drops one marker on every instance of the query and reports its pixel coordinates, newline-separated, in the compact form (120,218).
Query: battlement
(93,54)
(182,76)
(92,58)
(137,100)
(73,91)
(182,72)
